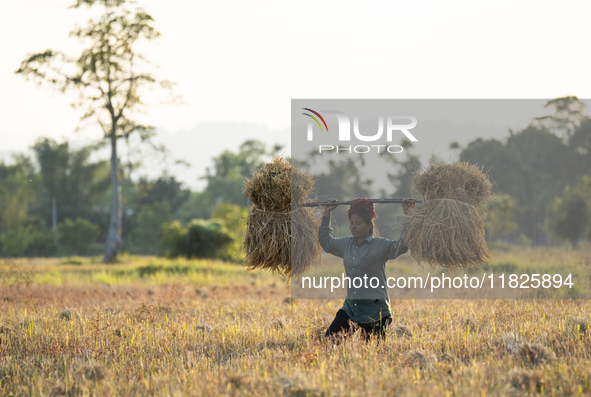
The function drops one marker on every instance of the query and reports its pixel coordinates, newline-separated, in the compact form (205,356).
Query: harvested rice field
(156,327)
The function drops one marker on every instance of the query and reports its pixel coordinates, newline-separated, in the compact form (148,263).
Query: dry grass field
(150,326)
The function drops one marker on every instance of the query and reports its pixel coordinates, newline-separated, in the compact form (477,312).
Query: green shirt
(367,299)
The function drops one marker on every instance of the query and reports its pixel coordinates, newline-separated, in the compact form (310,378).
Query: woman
(364,256)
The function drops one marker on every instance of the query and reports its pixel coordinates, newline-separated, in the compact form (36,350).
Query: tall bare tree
(110,77)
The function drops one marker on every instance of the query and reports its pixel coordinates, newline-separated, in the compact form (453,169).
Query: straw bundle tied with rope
(281,236)
(446,229)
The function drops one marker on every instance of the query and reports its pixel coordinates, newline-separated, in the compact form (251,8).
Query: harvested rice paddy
(149,326)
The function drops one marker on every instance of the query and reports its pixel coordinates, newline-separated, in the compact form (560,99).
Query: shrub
(199,239)
(174,240)
(76,237)
(27,240)
(234,219)
(16,241)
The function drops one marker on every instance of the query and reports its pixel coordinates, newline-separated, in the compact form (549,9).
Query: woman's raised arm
(335,246)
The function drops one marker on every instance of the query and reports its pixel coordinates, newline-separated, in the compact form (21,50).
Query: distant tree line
(57,202)
(541,177)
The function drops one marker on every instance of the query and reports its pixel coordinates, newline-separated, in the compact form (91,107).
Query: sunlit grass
(147,270)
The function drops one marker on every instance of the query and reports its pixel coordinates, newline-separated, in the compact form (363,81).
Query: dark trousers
(341,325)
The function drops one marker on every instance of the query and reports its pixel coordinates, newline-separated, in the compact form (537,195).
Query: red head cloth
(361,204)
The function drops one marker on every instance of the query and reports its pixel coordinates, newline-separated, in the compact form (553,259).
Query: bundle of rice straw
(447,229)
(280,236)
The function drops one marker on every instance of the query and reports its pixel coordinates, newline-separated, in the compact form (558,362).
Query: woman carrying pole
(364,256)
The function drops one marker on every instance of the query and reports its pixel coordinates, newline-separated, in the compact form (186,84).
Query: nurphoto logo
(344,131)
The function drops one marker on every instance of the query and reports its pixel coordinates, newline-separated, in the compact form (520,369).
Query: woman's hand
(408,205)
(328,209)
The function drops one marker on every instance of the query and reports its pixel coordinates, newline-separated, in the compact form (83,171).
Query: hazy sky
(242,61)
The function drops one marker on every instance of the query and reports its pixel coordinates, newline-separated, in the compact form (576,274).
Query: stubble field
(150,326)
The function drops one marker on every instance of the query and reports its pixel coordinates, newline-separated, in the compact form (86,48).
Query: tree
(499,216)
(225,180)
(20,233)
(570,215)
(109,77)
(164,189)
(233,218)
(15,193)
(199,239)
(580,142)
(71,186)
(532,166)
(76,236)
(53,161)
(568,115)
(147,233)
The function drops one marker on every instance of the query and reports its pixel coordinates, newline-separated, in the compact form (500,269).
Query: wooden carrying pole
(384,201)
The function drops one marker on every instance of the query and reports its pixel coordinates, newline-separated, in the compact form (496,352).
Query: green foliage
(151,269)
(16,241)
(28,239)
(147,234)
(535,164)
(15,193)
(199,239)
(225,180)
(580,142)
(109,76)
(68,176)
(233,218)
(73,260)
(499,216)
(208,239)
(20,233)
(569,218)
(164,189)
(174,241)
(77,236)
(198,206)
(54,164)
(532,167)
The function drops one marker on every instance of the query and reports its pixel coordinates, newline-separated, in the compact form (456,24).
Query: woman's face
(359,228)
